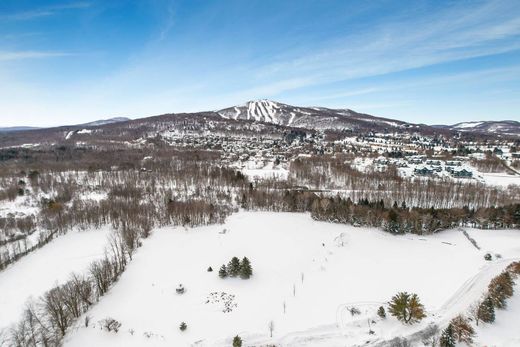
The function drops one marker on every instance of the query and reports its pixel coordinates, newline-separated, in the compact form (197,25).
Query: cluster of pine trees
(499,290)
(459,330)
(236,268)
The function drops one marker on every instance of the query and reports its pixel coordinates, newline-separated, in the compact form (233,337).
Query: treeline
(46,320)
(338,174)
(12,251)
(500,289)
(396,218)
(490,164)
(175,192)
(401,219)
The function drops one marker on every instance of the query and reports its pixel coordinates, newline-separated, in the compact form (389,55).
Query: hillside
(504,127)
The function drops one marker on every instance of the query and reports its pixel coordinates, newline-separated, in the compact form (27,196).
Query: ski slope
(311,268)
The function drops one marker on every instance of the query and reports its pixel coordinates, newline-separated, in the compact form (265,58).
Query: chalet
(423,171)
(381,161)
(463,173)
(433,162)
(415,160)
(453,163)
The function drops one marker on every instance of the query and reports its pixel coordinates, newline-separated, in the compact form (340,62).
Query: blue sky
(66,62)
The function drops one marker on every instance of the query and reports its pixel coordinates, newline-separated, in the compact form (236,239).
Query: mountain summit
(273,112)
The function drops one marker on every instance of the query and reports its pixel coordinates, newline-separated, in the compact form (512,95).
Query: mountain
(261,119)
(89,124)
(505,127)
(321,118)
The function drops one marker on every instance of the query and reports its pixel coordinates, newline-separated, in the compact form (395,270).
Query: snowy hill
(105,121)
(309,117)
(506,127)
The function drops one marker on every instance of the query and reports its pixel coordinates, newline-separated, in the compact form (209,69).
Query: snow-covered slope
(106,121)
(308,117)
(263,111)
(466,125)
(507,127)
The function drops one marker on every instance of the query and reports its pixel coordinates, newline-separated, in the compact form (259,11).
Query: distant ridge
(89,124)
(104,121)
(277,114)
(14,129)
(506,127)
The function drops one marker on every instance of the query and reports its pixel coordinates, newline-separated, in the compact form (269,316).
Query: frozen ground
(317,269)
(39,271)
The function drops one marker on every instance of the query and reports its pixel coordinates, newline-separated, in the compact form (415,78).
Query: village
(413,155)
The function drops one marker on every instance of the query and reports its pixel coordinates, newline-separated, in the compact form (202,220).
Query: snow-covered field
(313,269)
(39,271)
(500,179)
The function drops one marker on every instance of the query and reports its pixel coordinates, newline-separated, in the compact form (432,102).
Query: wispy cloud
(169,22)
(45,11)
(20,55)
(456,33)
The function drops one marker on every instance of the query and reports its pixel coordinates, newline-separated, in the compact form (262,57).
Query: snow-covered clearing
(39,271)
(316,269)
(500,179)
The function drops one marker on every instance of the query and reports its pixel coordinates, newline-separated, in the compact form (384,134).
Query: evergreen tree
(222,273)
(486,311)
(210,269)
(246,270)
(462,330)
(501,288)
(234,267)
(406,307)
(237,341)
(381,312)
(393,224)
(183,326)
(447,339)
